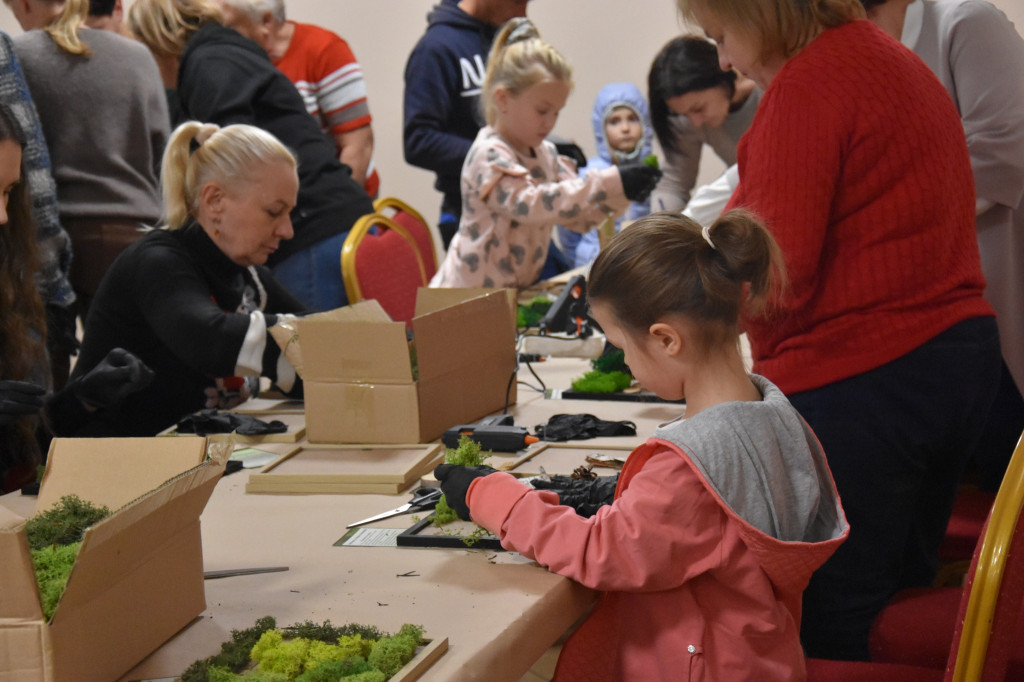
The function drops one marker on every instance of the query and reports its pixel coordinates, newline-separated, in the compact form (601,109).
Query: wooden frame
(516,466)
(414,536)
(362,472)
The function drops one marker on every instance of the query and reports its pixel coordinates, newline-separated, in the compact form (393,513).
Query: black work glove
(638,181)
(581,427)
(586,497)
(60,330)
(116,377)
(572,150)
(455,480)
(19,398)
(210,421)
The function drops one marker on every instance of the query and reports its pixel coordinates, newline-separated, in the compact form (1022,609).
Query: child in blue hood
(622,130)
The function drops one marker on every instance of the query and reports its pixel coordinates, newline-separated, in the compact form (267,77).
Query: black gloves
(210,421)
(116,376)
(582,426)
(19,398)
(455,482)
(586,497)
(638,181)
(572,150)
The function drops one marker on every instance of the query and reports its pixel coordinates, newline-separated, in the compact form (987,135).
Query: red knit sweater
(857,162)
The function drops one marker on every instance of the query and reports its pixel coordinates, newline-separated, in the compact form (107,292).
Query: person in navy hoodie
(443,77)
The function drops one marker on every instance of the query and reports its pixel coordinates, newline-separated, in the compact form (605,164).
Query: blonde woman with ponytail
(105,119)
(719,519)
(194,300)
(221,76)
(857,161)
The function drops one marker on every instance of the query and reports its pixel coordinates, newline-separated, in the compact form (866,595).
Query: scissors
(422,498)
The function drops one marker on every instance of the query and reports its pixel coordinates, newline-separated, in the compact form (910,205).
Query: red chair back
(381,260)
(415,225)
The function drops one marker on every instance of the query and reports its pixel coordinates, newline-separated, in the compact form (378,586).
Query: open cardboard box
(138,577)
(357,365)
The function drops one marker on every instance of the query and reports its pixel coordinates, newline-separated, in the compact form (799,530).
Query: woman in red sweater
(857,162)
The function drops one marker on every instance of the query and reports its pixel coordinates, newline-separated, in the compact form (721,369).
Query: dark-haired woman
(24,368)
(694,102)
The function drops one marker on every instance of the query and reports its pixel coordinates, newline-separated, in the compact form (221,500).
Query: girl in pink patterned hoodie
(515,186)
(719,519)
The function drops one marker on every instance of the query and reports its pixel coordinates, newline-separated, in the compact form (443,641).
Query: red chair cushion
(969,513)
(916,627)
(821,670)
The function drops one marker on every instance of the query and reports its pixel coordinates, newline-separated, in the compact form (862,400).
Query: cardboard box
(138,578)
(358,369)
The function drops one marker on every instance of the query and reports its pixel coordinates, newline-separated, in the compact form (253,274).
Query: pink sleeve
(665,529)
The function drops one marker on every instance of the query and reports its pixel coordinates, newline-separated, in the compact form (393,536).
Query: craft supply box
(358,367)
(138,577)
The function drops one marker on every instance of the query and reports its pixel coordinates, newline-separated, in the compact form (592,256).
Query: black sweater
(225,78)
(170,298)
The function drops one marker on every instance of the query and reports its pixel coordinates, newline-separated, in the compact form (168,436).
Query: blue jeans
(897,439)
(314,275)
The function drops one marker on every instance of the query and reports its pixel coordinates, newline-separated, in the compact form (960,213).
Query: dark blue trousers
(897,439)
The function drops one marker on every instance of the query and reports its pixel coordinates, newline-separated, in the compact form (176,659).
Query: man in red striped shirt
(324,70)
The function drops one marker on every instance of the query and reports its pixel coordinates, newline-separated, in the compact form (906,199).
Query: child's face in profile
(526,118)
(623,130)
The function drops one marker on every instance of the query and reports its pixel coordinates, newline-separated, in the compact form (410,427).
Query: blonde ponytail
(64,27)
(518,60)
(198,153)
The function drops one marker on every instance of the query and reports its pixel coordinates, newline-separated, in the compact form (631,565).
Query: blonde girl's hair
(64,27)
(780,27)
(165,26)
(518,60)
(198,153)
(664,264)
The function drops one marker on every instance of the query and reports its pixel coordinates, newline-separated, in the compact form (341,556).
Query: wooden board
(561,458)
(342,469)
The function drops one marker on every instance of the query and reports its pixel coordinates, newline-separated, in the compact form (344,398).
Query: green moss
(650,160)
(274,654)
(53,566)
(63,523)
(325,632)
(443,514)
(529,314)
(614,361)
(234,654)
(282,658)
(389,654)
(596,381)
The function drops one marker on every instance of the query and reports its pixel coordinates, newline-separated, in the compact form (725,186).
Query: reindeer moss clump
(54,538)
(610,375)
(530,314)
(468,453)
(596,381)
(353,653)
(64,523)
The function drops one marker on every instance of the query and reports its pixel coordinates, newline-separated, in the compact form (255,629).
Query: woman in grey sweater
(104,115)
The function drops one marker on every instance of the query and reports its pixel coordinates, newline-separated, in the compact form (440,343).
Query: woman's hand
(19,398)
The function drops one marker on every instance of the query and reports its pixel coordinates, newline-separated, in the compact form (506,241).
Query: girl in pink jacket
(515,186)
(720,518)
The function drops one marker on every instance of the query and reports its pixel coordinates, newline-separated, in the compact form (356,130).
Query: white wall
(604,40)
